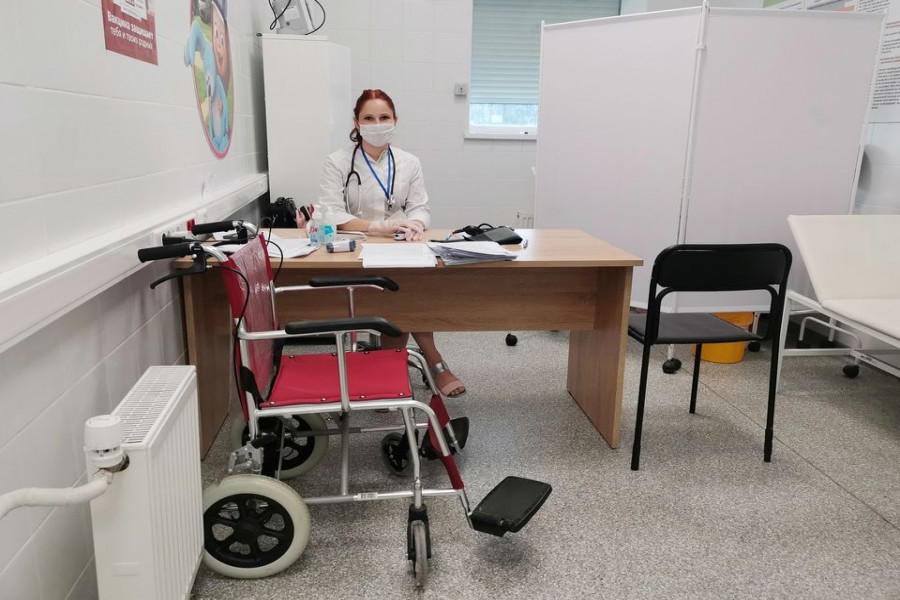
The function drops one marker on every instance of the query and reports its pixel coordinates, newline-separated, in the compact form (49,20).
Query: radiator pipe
(56,496)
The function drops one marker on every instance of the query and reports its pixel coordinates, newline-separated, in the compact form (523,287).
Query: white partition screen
(701,125)
(615,99)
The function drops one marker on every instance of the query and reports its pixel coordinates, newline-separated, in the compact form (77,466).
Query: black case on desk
(501,235)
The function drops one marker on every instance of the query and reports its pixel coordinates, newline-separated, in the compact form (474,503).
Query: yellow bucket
(731,352)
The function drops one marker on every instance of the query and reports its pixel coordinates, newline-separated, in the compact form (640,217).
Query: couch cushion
(879,314)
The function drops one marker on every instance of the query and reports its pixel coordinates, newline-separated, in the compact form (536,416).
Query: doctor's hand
(414,230)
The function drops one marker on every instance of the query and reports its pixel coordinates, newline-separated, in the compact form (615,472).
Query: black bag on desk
(282,214)
(489,233)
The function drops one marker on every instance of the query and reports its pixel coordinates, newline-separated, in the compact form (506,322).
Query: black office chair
(710,268)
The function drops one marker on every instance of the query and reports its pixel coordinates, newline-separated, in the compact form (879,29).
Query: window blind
(506,44)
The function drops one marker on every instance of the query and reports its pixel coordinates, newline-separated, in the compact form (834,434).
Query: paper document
(463,253)
(397,255)
(290,247)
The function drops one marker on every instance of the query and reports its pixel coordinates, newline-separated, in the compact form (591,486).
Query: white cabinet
(701,126)
(309,110)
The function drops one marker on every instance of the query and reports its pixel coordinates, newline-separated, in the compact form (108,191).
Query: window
(506,50)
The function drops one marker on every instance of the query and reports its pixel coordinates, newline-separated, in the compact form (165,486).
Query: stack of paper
(463,253)
(397,255)
(278,246)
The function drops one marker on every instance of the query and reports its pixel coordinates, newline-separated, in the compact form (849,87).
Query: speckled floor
(705,517)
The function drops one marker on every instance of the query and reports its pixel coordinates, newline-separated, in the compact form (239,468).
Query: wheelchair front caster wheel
(671,366)
(511,340)
(420,559)
(253,526)
(851,371)
(300,453)
(395,454)
(753,346)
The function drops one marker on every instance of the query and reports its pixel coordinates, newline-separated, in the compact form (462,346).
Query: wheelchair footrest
(460,427)
(509,506)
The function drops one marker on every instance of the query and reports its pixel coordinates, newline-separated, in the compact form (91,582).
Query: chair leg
(773,387)
(639,422)
(696,378)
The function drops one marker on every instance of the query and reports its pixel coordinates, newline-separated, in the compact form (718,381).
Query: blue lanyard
(386,190)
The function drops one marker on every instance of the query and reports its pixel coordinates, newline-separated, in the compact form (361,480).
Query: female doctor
(379,189)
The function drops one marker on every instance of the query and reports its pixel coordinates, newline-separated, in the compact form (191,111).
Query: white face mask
(377,135)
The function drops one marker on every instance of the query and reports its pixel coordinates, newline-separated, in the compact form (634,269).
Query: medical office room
(673,376)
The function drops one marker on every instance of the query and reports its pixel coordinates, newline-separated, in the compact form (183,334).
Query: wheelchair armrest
(379,324)
(377,280)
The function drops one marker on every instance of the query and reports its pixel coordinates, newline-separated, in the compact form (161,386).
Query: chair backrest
(850,256)
(719,268)
(247,275)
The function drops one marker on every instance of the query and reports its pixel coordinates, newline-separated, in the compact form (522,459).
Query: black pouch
(281,214)
(489,233)
(501,235)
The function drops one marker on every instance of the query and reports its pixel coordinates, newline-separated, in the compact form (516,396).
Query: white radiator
(148,526)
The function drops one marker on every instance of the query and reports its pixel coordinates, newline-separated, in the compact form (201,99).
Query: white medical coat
(409,187)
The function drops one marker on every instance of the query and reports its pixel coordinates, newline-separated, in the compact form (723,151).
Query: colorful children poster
(208,51)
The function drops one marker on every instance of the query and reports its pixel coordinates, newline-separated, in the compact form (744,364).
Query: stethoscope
(388,191)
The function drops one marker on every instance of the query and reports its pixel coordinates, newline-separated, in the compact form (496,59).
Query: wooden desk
(564,280)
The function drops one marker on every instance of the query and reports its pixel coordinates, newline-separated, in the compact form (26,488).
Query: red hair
(373,94)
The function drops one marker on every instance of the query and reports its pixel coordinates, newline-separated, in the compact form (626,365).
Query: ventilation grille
(153,396)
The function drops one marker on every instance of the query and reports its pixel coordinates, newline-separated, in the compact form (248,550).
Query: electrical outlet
(460,89)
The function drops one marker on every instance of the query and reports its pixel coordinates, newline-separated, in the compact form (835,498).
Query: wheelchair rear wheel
(300,454)
(395,454)
(253,526)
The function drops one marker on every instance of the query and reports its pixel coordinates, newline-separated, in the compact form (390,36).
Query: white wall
(90,142)
(416,50)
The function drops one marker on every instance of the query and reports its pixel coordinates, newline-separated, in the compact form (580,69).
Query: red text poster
(129,27)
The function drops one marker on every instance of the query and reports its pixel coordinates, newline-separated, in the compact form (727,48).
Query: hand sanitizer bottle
(327,228)
(312,226)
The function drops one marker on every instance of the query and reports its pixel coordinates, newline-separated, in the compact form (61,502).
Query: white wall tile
(76,139)
(418,15)
(20,578)
(172,327)
(451,48)
(448,74)
(18,153)
(417,77)
(387,14)
(359,43)
(86,586)
(117,306)
(80,345)
(387,75)
(10,68)
(14,530)
(62,542)
(47,447)
(121,372)
(29,381)
(67,58)
(418,46)
(356,14)
(453,17)
(26,232)
(386,46)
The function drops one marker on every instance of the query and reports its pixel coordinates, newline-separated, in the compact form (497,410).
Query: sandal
(451,385)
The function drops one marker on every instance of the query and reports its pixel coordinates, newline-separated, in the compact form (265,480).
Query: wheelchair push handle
(204,228)
(170,251)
